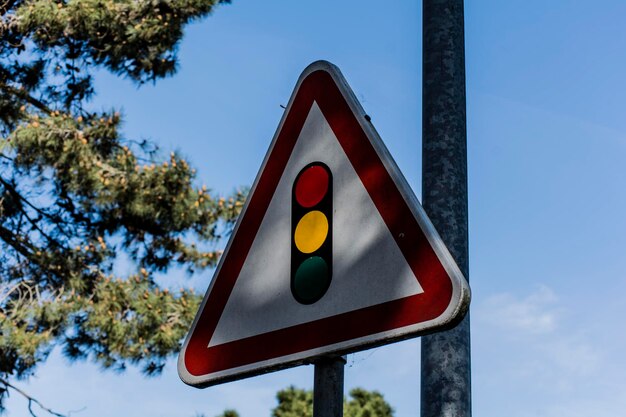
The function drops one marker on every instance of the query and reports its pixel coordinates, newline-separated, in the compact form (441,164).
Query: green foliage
(75,193)
(229,413)
(367,404)
(295,402)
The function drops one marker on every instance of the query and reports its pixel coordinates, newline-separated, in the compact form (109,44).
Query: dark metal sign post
(328,387)
(445,366)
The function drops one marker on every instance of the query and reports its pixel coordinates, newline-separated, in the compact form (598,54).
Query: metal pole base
(328,387)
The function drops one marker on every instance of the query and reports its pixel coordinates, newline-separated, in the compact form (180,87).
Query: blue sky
(547,145)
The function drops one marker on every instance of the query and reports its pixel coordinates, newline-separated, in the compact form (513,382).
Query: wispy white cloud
(539,320)
(537,313)
(574,355)
(536,346)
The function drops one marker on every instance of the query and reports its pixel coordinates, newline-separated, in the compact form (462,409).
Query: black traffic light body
(311,233)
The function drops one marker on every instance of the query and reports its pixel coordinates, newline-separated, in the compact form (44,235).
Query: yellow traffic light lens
(311,231)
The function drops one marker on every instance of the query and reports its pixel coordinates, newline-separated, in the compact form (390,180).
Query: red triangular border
(319,86)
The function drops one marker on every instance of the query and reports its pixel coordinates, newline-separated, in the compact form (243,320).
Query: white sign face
(261,300)
(331,254)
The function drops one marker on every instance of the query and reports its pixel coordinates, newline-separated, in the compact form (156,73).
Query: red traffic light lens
(312,186)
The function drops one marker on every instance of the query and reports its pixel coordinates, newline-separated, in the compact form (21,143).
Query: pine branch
(6,6)
(21,247)
(40,211)
(26,97)
(31,400)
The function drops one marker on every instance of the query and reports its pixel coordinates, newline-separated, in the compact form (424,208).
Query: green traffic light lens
(311,280)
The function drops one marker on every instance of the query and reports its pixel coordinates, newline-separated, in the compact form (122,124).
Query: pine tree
(295,402)
(75,192)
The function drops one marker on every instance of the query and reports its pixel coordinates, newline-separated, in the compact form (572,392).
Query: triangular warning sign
(332,252)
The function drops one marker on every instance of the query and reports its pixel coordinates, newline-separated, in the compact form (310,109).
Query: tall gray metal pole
(328,387)
(446,372)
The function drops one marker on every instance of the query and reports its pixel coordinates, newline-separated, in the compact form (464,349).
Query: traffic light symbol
(311,233)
